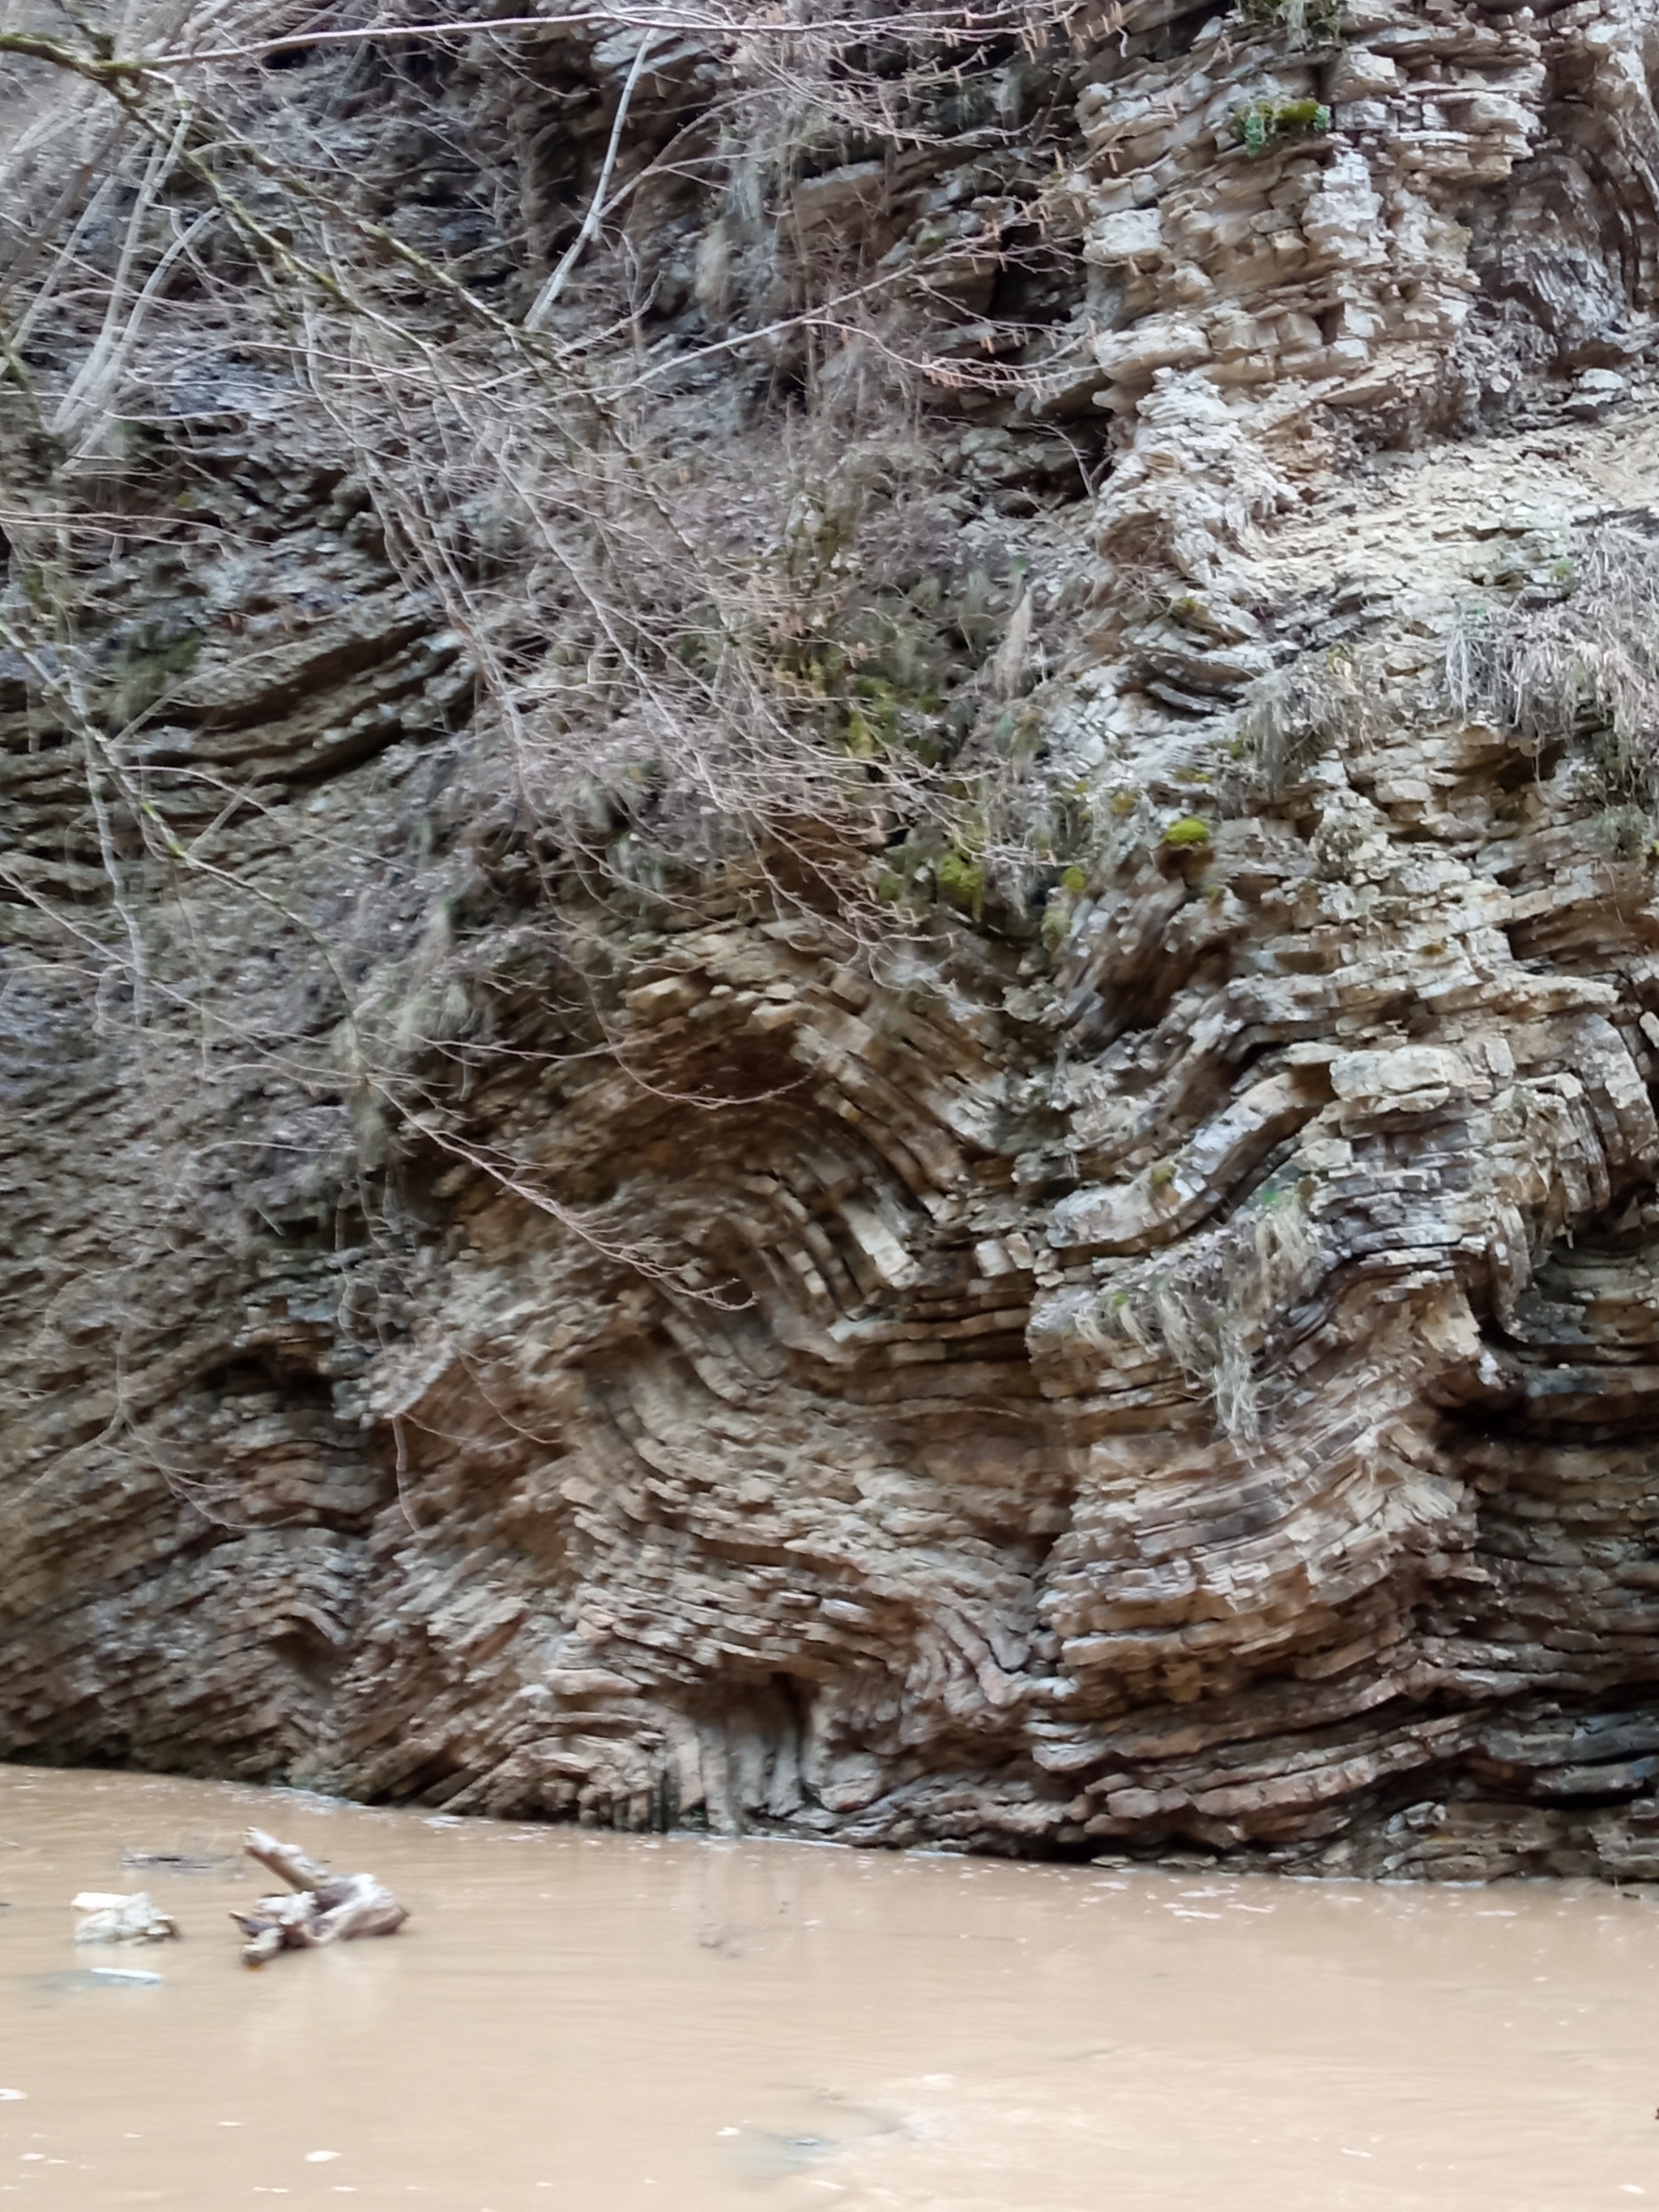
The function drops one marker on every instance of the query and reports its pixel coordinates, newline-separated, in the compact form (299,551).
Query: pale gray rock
(112,1917)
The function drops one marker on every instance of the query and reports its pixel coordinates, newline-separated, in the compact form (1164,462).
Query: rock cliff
(1120,1318)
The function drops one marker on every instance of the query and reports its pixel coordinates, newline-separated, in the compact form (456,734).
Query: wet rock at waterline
(1152,1351)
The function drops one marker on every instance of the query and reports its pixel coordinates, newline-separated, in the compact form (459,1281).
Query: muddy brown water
(622,2024)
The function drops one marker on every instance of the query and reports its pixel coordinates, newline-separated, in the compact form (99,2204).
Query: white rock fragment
(1125,235)
(109,1917)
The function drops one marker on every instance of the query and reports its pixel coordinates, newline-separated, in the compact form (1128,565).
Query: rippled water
(619,2024)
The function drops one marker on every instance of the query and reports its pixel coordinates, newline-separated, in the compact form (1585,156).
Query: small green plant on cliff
(961,878)
(1061,906)
(1265,125)
(1187,832)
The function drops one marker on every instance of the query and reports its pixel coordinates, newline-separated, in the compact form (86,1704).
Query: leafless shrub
(693,694)
(662,678)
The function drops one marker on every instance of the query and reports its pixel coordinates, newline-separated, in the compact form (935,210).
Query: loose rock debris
(322,1907)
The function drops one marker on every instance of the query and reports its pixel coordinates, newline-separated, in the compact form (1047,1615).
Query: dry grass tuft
(1215,1317)
(1323,702)
(1583,673)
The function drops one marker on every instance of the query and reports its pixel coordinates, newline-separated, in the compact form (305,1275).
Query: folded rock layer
(1173,1371)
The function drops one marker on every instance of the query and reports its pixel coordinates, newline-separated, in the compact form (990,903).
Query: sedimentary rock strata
(1163,1363)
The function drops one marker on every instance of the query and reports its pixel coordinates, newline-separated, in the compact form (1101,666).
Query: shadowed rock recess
(1160,1357)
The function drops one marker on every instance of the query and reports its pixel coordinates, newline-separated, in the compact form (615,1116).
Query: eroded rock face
(1174,1370)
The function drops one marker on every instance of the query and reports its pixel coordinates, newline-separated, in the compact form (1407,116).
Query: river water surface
(622,2024)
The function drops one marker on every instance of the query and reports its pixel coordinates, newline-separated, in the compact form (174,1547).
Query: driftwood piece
(110,1917)
(319,1907)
